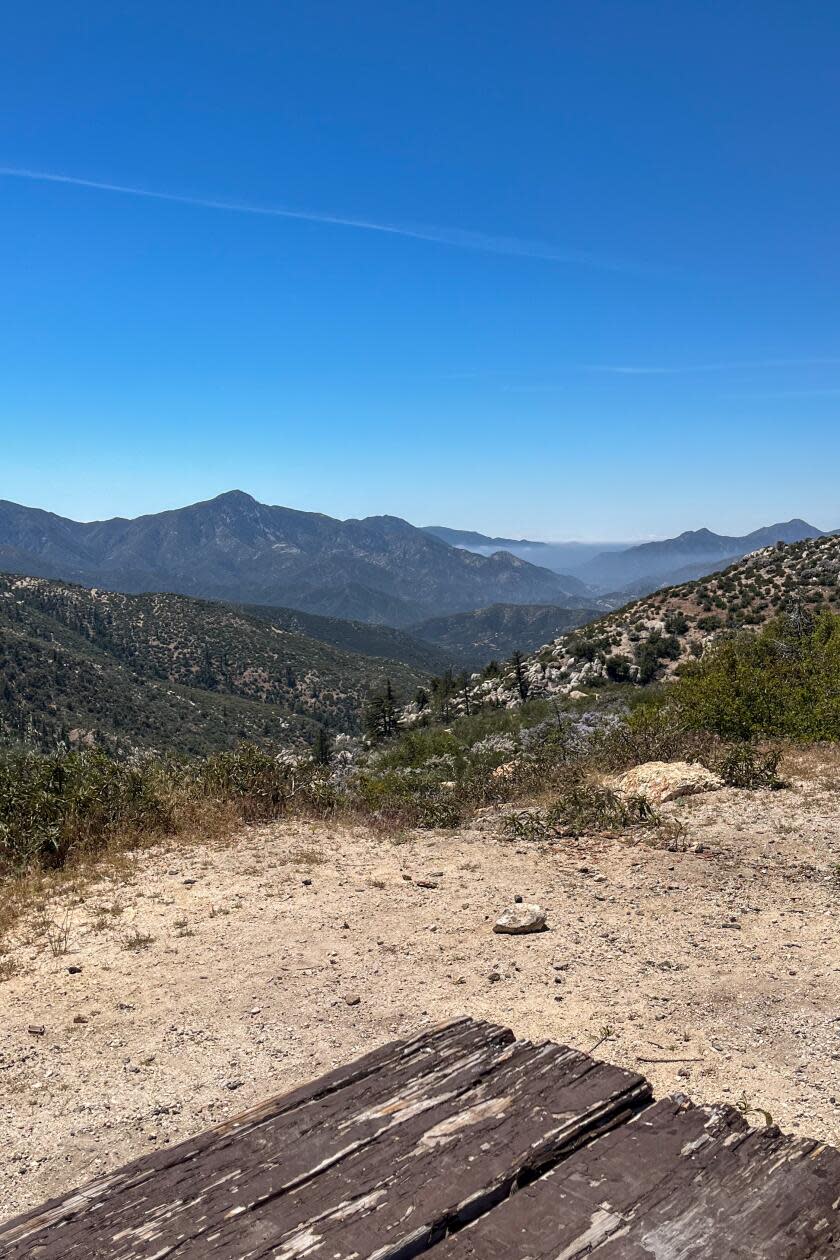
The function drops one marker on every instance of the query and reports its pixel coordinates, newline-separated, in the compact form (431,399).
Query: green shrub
(53,806)
(584,808)
(782,682)
(259,784)
(618,667)
(744,766)
(581,808)
(418,800)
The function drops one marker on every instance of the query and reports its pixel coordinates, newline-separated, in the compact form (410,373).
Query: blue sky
(560,269)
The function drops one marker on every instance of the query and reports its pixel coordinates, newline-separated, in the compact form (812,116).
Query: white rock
(662,781)
(520,918)
(505,771)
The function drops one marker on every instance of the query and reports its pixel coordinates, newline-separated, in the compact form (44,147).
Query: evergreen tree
(519,675)
(380,719)
(322,748)
(443,689)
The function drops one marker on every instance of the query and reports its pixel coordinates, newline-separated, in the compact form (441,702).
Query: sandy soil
(301,945)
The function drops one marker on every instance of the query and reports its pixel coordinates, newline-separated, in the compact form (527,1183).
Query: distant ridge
(565,558)
(648,639)
(474,638)
(380,569)
(653,564)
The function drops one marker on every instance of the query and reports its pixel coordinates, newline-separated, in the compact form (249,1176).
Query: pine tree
(380,719)
(519,674)
(322,748)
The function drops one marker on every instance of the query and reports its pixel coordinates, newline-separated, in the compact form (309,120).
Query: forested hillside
(170,673)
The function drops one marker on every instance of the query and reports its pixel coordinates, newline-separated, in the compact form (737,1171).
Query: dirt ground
(176,995)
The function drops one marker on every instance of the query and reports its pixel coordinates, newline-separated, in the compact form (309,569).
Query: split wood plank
(378,1162)
(296,1127)
(693,1183)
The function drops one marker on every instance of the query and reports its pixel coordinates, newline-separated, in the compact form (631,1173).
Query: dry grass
(307,856)
(118,862)
(814,763)
(136,940)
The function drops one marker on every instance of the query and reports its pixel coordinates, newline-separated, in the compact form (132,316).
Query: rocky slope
(380,569)
(647,639)
(170,673)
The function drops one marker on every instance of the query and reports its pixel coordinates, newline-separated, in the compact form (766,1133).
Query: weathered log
(420,1146)
(694,1183)
(378,1159)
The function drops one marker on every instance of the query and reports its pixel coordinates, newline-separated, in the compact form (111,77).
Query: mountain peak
(233,497)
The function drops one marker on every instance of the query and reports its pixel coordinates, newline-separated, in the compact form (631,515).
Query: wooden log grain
(377,1159)
(677,1183)
(471,1145)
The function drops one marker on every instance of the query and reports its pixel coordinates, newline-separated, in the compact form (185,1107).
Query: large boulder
(662,781)
(520,918)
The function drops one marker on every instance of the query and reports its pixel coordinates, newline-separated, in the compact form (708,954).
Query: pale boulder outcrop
(661,781)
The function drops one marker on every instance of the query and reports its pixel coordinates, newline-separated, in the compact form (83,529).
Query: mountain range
(380,569)
(691,554)
(617,572)
(113,659)
(561,557)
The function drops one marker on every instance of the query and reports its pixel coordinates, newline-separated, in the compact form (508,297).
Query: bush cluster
(782,682)
(57,805)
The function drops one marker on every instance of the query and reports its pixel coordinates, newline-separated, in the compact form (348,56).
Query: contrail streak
(617,369)
(457,237)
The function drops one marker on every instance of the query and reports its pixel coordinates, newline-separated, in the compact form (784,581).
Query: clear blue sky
(597,296)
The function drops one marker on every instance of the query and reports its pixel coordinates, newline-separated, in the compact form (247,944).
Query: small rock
(36,1030)
(518,899)
(74,969)
(518,919)
(306,882)
(80,1019)
(189,882)
(353,1001)
(426,883)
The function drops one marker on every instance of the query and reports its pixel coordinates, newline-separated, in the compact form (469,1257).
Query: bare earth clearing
(302,945)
